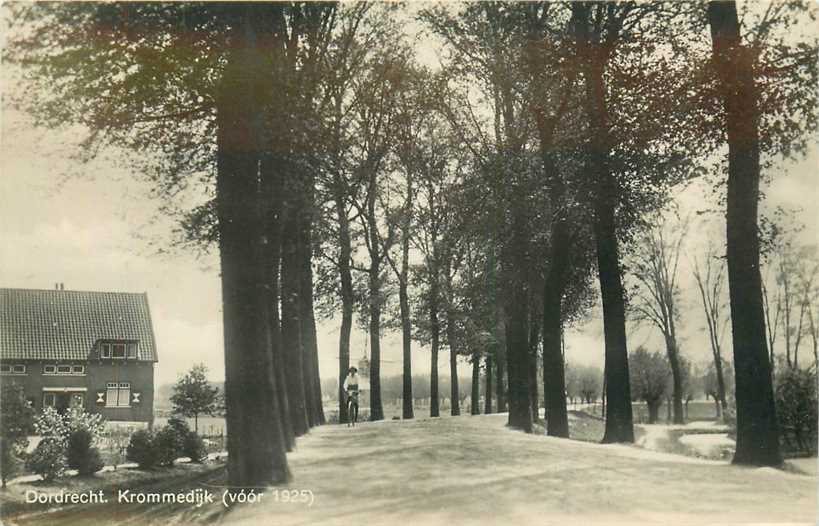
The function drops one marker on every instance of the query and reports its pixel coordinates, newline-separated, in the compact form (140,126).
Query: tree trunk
(272,180)
(720,384)
(517,339)
(291,292)
(313,382)
(676,378)
(500,359)
(435,329)
(403,298)
(653,411)
(475,406)
(554,376)
(757,429)
(487,392)
(307,320)
(376,409)
(406,335)
(619,423)
(534,335)
(454,394)
(256,450)
(347,299)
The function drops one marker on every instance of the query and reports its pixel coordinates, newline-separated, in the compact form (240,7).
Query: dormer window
(118,351)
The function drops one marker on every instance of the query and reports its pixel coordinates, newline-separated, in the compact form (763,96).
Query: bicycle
(352,403)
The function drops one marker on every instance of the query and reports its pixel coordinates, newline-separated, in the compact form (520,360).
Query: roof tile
(65,324)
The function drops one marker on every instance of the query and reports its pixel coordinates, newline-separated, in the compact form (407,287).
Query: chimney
(62,286)
(56,286)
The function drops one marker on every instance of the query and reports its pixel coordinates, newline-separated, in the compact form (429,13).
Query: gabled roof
(66,324)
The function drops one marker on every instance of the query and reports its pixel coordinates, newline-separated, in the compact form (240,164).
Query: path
(472,470)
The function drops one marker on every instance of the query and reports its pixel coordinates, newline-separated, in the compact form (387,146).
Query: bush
(194,447)
(796,408)
(80,453)
(51,424)
(169,442)
(141,449)
(179,425)
(48,459)
(77,419)
(16,423)
(10,462)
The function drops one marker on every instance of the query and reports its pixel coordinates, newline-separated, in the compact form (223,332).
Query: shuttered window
(118,394)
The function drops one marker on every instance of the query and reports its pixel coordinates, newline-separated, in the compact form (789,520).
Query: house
(80,349)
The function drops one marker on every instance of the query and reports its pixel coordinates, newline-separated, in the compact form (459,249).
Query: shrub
(77,419)
(9,459)
(194,447)
(179,425)
(796,408)
(80,453)
(16,423)
(169,442)
(141,449)
(51,424)
(190,444)
(48,459)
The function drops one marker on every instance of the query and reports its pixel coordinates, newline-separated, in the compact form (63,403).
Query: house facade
(69,348)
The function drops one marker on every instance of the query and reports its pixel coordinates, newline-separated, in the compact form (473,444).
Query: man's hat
(353,370)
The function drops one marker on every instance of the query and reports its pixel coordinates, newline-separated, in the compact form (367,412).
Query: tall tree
(655,264)
(710,282)
(599,27)
(757,429)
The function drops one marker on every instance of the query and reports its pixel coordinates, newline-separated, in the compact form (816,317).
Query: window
(64,369)
(49,399)
(105,350)
(19,369)
(5,369)
(132,351)
(118,351)
(12,368)
(118,394)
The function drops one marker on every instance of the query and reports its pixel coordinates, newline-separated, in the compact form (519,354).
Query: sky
(92,230)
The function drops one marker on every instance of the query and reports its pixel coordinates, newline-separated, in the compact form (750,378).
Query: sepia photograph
(425,262)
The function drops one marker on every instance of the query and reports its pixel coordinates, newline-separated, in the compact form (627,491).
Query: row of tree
(490,193)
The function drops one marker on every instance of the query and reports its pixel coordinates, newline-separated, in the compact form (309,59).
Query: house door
(62,401)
